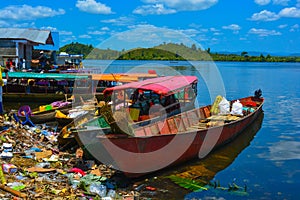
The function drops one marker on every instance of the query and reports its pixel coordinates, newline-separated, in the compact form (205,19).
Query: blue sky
(233,25)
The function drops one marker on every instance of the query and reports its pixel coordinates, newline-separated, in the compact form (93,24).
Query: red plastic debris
(77,170)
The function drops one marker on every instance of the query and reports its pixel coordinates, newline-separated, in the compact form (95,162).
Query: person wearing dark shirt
(43,59)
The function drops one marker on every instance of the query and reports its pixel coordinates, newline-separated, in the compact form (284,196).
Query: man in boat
(2,69)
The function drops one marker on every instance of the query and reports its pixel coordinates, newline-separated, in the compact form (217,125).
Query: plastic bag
(224,106)
(237,108)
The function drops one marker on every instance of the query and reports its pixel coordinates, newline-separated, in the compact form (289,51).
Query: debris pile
(33,167)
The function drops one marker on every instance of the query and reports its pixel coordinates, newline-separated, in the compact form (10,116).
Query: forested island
(170,51)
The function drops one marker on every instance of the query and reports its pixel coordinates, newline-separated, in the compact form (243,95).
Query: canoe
(65,138)
(44,113)
(64,119)
(171,141)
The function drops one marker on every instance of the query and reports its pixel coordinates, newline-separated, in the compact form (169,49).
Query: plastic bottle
(111,193)
(98,188)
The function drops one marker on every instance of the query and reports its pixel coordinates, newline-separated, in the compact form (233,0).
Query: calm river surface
(266,160)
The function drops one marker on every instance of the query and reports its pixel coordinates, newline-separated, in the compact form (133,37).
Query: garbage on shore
(33,167)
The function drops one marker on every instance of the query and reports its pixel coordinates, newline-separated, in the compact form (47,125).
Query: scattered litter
(32,166)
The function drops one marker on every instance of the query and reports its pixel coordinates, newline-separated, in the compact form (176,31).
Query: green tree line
(169,51)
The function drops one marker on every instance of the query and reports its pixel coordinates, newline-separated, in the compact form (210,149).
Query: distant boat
(49,87)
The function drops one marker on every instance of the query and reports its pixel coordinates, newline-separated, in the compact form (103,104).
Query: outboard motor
(258,93)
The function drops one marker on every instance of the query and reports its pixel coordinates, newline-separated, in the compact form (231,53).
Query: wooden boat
(40,87)
(49,87)
(162,97)
(170,141)
(154,97)
(65,118)
(66,139)
(38,115)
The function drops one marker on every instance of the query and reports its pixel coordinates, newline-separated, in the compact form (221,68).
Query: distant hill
(172,51)
(149,54)
(257,53)
(103,54)
(77,48)
(187,53)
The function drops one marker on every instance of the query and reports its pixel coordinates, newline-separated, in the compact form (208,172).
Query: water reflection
(221,158)
(283,150)
(204,170)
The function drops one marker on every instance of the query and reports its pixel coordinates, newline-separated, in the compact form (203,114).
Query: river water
(266,160)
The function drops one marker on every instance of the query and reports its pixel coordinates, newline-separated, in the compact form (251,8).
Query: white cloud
(105,28)
(294,28)
(281,2)
(204,30)
(53,29)
(65,33)
(290,12)
(263,32)
(26,12)
(121,21)
(91,6)
(147,35)
(276,2)
(264,15)
(262,2)
(190,32)
(184,5)
(213,29)
(217,33)
(3,23)
(96,32)
(233,27)
(85,36)
(155,9)
(282,26)
(194,25)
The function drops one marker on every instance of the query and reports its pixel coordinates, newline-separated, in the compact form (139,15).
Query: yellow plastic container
(42,108)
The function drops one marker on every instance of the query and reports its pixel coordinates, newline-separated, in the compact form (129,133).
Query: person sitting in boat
(122,99)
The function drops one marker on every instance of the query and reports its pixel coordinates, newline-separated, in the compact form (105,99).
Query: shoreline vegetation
(172,52)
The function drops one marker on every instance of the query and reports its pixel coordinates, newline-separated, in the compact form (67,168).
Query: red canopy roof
(160,85)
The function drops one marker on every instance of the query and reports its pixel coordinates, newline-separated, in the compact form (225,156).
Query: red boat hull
(164,143)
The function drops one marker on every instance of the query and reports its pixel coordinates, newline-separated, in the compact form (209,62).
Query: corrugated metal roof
(33,35)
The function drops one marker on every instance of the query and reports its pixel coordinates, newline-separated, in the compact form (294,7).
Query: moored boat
(49,87)
(43,114)
(143,102)
(154,97)
(169,141)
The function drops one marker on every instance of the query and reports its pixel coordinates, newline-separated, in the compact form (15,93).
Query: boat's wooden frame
(195,128)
